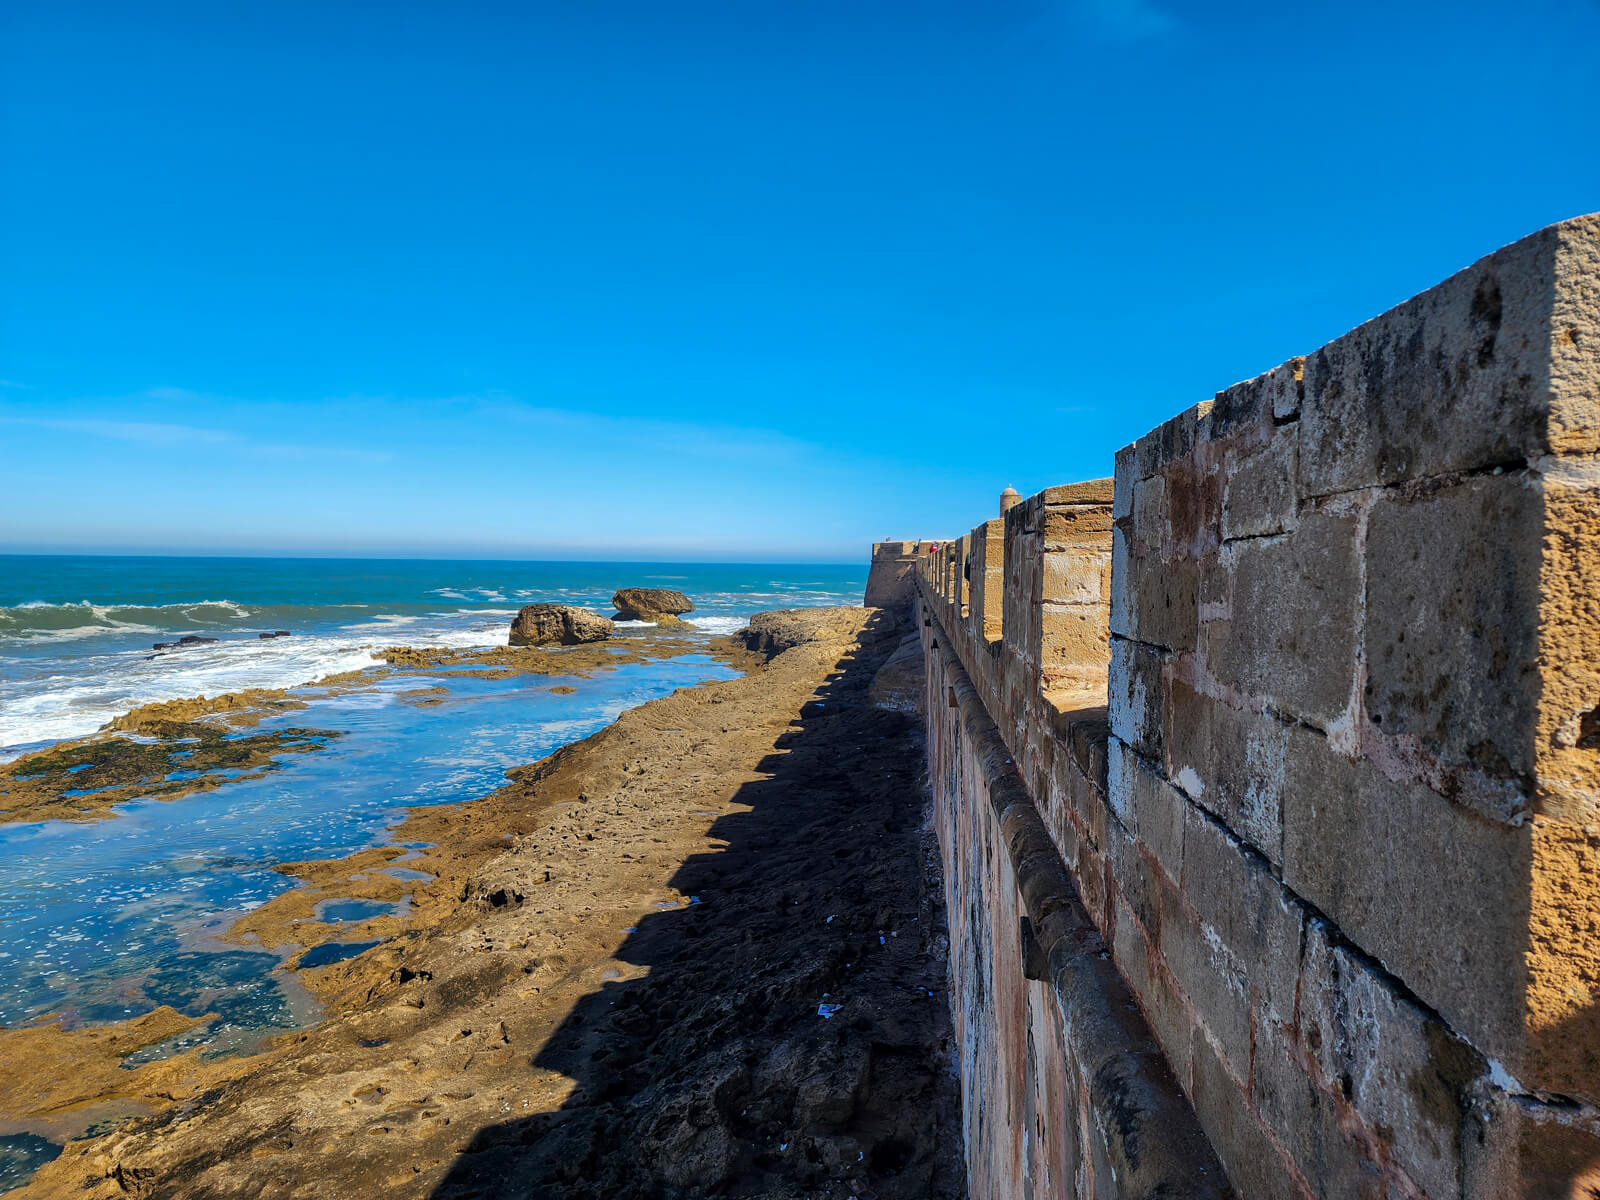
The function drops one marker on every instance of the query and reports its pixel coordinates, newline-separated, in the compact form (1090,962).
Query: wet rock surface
(187,640)
(614,984)
(84,779)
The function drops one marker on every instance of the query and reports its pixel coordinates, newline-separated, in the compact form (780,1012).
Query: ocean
(76,632)
(107,919)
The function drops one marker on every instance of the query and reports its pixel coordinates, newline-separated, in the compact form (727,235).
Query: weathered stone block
(1150,808)
(1452,609)
(1128,578)
(1089,874)
(1237,411)
(1234,894)
(1134,698)
(1088,736)
(1146,524)
(1166,605)
(1457,378)
(1076,525)
(1167,442)
(1574,424)
(1073,576)
(1296,601)
(1255,1166)
(1122,485)
(1078,775)
(1566,734)
(1165,1010)
(1563,959)
(1192,509)
(1260,495)
(1231,762)
(1305,1120)
(1210,975)
(1408,1078)
(1438,894)
(1133,875)
(1089,491)
(1072,636)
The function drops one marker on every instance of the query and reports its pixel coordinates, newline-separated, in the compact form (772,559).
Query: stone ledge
(1148,1130)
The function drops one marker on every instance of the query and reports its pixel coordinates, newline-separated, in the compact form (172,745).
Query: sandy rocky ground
(614,985)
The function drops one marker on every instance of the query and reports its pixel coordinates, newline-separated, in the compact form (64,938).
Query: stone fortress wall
(1267,775)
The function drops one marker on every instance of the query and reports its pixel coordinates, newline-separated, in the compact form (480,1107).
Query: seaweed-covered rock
(650,604)
(558,624)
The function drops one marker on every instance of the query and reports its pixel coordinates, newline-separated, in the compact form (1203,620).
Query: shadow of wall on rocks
(715,1074)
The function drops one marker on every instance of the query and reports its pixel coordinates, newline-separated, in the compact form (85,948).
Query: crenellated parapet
(1295,723)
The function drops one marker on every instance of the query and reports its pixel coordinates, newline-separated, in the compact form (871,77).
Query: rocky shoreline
(694,953)
(178,746)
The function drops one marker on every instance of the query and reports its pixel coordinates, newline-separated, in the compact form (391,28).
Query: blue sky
(708,280)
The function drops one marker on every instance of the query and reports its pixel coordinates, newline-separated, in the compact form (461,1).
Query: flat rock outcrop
(650,604)
(559,625)
(771,633)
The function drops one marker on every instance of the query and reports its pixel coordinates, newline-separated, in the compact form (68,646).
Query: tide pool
(107,919)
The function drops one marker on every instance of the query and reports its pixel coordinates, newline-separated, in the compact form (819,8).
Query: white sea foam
(105,686)
(462,630)
(716,625)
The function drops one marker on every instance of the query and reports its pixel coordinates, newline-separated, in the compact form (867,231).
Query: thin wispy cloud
(168,434)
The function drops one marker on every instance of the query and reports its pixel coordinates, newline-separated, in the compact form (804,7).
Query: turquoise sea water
(76,633)
(105,920)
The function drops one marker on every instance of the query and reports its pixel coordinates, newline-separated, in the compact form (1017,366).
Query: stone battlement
(1267,774)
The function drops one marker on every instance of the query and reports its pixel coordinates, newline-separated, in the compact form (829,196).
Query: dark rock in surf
(277,633)
(188,639)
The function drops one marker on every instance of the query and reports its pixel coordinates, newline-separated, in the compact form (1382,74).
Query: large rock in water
(558,624)
(650,604)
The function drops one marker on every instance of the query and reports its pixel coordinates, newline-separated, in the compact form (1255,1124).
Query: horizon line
(11,552)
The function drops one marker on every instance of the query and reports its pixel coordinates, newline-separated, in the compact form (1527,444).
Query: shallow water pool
(108,919)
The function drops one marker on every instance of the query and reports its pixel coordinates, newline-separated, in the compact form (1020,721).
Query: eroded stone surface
(650,604)
(558,624)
